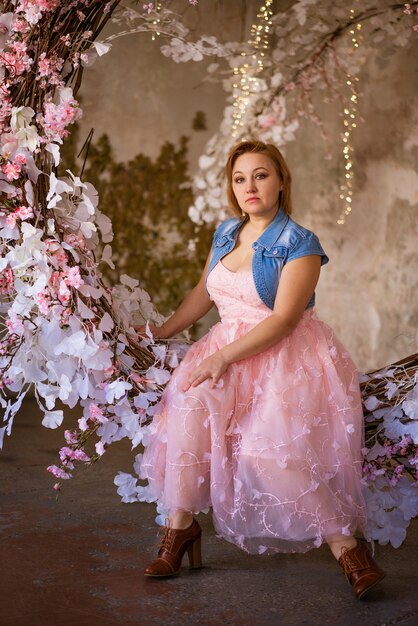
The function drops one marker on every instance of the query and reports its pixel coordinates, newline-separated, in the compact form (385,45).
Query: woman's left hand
(212,367)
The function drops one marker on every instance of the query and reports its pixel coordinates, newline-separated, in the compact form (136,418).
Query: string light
(349,124)
(156,22)
(246,76)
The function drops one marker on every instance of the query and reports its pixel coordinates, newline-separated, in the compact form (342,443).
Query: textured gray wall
(368,292)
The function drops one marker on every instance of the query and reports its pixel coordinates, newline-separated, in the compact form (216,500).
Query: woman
(262,420)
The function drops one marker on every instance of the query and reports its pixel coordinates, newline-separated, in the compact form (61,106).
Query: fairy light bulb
(349,123)
(246,80)
(156,22)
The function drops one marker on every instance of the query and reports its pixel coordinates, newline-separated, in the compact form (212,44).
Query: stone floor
(78,560)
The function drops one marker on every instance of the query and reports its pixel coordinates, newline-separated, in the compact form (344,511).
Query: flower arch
(64,333)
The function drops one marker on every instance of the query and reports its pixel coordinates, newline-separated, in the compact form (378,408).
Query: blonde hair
(280,165)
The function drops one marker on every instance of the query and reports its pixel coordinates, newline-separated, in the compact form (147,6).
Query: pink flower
(44,302)
(51,67)
(96,414)
(80,455)
(65,452)
(6,281)
(15,326)
(24,212)
(33,9)
(11,220)
(19,46)
(73,277)
(21,159)
(58,472)
(64,294)
(12,170)
(148,7)
(58,116)
(70,437)
(43,65)
(20,25)
(75,241)
(109,371)
(16,63)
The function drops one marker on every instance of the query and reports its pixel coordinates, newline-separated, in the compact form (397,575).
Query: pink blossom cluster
(58,472)
(6,281)
(16,61)
(394,462)
(14,325)
(5,380)
(408,9)
(22,213)
(11,170)
(71,437)
(57,117)
(58,256)
(58,293)
(62,281)
(95,416)
(68,455)
(50,68)
(75,241)
(33,9)
(5,108)
(8,344)
(74,450)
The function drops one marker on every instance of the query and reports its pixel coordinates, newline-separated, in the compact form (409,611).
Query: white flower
(21,117)
(127,487)
(53,419)
(371,403)
(28,137)
(100,449)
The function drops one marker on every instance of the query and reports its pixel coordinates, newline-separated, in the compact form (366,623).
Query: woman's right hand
(157,332)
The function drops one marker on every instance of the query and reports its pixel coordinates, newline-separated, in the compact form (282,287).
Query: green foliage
(147,201)
(199,121)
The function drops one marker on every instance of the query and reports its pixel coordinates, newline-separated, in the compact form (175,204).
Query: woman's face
(256,184)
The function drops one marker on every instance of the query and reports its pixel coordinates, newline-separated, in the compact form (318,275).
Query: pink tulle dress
(275,448)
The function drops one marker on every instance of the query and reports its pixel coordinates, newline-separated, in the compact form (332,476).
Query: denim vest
(282,241)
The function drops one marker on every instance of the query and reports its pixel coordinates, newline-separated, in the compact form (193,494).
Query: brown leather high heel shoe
(172,548)
(360,569)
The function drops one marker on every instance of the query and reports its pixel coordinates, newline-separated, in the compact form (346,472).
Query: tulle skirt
(274,449)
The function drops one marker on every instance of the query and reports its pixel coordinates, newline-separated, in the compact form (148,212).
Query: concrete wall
(368,292)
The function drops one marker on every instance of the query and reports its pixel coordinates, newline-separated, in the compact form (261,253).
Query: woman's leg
(180,520)
(336,544)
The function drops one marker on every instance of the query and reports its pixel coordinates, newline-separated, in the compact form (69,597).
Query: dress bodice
(235,295)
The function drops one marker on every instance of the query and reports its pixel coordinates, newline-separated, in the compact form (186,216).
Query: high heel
(194,552)
(360,569)
(173,545)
